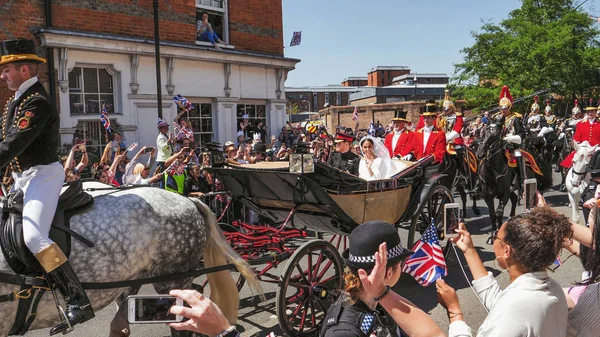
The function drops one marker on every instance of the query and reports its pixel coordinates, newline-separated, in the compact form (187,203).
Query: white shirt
(24,86)
(163,147)
(592,120)
(426,133)
(395,139)
(379,170)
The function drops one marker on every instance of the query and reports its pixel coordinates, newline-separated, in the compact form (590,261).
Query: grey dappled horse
(138,233)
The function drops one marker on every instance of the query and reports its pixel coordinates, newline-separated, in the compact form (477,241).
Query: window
(200,116)
(339,99)
(301,96)
(256,113)
(217,16)
(326,98)
(91,88)
(95,135)
(315,104)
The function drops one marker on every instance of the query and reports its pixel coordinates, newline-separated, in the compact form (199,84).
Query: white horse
(140,233)
(577,178)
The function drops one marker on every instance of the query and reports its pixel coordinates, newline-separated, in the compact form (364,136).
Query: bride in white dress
(375,161)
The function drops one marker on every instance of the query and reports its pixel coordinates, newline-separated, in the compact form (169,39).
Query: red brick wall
(256,25)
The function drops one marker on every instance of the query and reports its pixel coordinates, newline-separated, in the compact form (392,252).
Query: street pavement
(259,319)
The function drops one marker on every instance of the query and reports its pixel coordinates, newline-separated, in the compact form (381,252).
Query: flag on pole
(105,119)
(132,147)
(355,114)
(427,264)
(558,262)
(296,39)
(183,103)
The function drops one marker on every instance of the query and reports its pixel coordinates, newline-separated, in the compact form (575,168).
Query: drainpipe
(50,57)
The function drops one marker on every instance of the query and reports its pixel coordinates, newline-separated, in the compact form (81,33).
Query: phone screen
(154,309)
(148,149)
(452,215)
(529,195)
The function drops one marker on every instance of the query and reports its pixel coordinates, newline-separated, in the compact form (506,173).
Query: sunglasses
(495,236)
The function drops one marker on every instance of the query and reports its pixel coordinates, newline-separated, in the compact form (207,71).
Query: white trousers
(41,187)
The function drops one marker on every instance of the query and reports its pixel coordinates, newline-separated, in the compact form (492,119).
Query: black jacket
(30,134)
(347,161)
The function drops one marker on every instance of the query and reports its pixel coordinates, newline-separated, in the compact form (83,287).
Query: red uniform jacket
(436,145)
(584,131)
(458,126)
(404,146)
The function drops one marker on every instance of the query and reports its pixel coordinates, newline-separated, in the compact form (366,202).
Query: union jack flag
(371,130)
(183,103)
(176,169)
(427,264)
(296,39)
(179,130)
(355,114)
(104,119)
(132,147)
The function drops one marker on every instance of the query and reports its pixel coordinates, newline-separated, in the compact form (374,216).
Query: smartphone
(148,149)
(452,216)
(530,188)
(148,309)
(81,147)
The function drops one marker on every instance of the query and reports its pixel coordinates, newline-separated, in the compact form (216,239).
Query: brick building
(102,53)
(383,113)
(315,98)
(421,78)
(382,76)
(355,81)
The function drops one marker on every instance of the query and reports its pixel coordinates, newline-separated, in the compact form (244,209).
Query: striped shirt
(584,318)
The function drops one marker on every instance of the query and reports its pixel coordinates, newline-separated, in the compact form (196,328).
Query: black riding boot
(521,175)
(61,275)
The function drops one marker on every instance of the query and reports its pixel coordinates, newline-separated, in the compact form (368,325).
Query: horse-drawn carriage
(305,218)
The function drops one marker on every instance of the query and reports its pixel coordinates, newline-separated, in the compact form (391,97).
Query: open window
(217,16)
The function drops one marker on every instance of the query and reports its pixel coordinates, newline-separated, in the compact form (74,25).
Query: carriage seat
(71,201)
(397,166)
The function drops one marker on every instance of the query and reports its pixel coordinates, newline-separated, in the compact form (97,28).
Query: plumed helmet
(548,107)
(448,104)
(505,98)
(535,107)
(576,110)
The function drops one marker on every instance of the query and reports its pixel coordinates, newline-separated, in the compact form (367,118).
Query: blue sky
(342,38)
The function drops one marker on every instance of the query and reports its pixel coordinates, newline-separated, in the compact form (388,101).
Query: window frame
(116,82)
(339,99)
(198,135)
(253,119)
(224,10)
(101,132)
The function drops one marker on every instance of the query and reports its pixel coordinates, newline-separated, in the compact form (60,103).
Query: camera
(148,149)
(147,309)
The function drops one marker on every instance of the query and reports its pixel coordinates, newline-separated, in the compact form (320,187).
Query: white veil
(380,151)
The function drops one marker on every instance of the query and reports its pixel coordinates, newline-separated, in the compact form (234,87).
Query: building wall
(256,25)
(294,98)
(355,83)
(382,78)
(366,114)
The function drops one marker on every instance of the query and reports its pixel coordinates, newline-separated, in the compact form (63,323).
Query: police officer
(344,159)
(356,313)
(30,138)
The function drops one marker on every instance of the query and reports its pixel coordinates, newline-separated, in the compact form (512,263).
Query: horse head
(583,154)
(490,136)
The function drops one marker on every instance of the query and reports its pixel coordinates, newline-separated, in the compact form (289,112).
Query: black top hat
(594,165)
(400,115)
(430,109)
(364,243)
(18,50)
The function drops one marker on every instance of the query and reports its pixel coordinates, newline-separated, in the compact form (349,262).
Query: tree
(545,44)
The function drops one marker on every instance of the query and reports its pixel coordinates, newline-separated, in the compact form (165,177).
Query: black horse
(457,181)
(564,146)
(496,179)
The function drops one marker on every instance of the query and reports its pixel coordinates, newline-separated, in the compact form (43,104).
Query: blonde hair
(139,167)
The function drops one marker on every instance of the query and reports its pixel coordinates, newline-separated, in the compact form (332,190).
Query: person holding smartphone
(206,33)
(137,173)
(73,170)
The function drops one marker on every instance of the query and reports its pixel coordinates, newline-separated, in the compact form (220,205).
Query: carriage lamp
(302,161)
(214,152)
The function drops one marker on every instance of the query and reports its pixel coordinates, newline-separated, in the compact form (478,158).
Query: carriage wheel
(433,207)
(307,287)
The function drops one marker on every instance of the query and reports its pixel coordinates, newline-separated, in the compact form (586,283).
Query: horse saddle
(528,159)
(18,256)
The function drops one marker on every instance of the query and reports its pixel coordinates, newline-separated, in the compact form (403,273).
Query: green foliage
(545,44)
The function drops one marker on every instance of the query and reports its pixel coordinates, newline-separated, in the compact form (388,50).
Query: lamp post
(415,82)
(157,58)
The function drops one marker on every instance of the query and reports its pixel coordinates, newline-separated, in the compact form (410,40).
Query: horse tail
(223,289)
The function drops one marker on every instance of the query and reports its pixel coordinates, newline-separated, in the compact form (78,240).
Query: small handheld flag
(355,114)
(296,39)
(132,147)
(105,119)
(371,129)
(183,103)
(427,264)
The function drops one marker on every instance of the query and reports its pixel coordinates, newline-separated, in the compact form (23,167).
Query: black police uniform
(347,161)
(358,320)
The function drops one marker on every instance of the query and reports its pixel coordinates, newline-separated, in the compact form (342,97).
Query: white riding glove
(408,157)
(515,139)
(451,136)
(544,131)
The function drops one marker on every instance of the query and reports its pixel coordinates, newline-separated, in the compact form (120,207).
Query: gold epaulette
(496,114)
(458,114)
(518,114)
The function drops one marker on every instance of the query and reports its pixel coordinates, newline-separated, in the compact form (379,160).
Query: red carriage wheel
(308,286)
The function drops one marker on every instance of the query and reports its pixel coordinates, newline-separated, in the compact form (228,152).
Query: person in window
(196,184)
(206,33)
(246,127)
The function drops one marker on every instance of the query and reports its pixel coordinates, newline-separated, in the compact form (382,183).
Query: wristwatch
(229,332)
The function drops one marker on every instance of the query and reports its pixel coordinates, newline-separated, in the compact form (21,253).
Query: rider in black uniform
(344,159)
(352,315)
